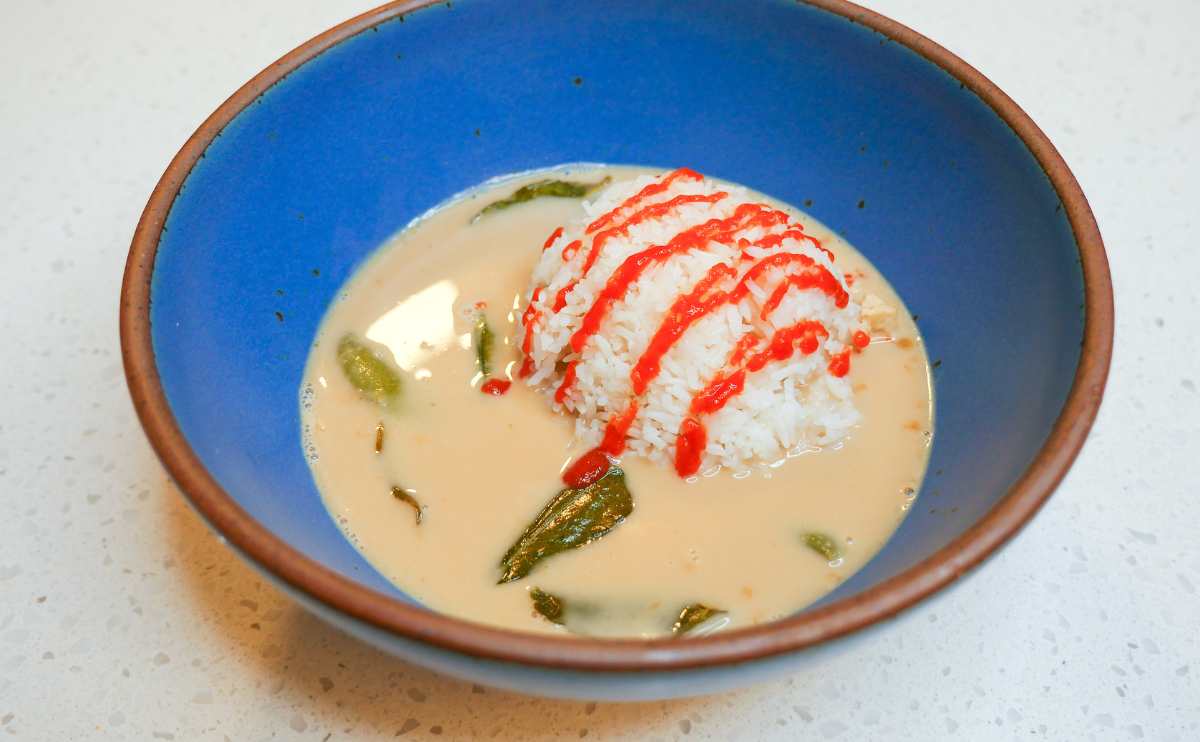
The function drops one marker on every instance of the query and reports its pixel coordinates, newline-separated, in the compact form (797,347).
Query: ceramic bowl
(921,162)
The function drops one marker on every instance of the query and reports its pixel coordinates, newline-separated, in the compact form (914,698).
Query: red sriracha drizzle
(569,251)
(692,306)
(714,230)
(719,391)
(743,346)
(552,238)
(654,188)
(812,277)
(689,446)
(568,379)
(806,335)
(633,267)
(560,299)
(686,310)
(528,319)
(618,426)
(839,364)
(594,464)
(587,469)
(652,211)
(773,240)
(495,387)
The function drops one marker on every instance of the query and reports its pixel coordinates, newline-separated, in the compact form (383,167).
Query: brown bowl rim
(787,635)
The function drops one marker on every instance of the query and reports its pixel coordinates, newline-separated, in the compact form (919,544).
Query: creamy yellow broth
(482,466)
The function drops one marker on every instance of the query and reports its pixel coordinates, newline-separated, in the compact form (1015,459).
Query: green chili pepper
(573,518)
(544,188)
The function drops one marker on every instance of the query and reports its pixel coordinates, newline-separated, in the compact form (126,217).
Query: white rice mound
(785,409)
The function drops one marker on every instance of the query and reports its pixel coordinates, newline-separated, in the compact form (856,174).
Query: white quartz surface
(121,617)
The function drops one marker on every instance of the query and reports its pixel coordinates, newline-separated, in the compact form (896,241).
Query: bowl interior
(788,99)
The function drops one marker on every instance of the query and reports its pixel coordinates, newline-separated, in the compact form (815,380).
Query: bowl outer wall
(829,621)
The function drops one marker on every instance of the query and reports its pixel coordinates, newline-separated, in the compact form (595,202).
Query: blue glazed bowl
(915,157)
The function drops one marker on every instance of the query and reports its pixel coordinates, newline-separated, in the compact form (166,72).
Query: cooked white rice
(785,408)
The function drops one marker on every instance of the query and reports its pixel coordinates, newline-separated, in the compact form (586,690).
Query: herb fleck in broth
(483,466)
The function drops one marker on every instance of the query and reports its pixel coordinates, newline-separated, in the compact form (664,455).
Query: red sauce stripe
(817,244)
(617,429)
(805,335)
(690,307)
(713,230)
(568,379)
(689,446)
(569,251)
(775,240)
(651,212)
(812,277)
(528,318)
(719,391)
(587,469)
(495,387)
(653,189)
(776,260)
(796,233)
(743,346)
(839,364)
(560,299)
(552,238)
(745,216)
(683,312)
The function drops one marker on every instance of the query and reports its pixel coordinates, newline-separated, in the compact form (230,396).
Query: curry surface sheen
(482,466)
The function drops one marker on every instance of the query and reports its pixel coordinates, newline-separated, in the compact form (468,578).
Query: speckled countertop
(122,617)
